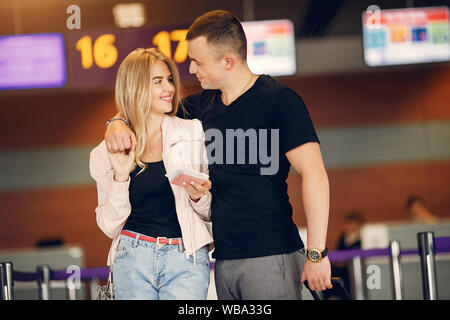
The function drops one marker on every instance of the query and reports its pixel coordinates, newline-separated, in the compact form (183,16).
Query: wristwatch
(315,255)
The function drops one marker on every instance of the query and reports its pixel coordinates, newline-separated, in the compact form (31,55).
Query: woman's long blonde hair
(133,93)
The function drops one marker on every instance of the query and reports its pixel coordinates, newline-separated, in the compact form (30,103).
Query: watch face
(314,255)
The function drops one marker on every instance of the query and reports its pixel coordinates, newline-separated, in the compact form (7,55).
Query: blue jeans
(148,271)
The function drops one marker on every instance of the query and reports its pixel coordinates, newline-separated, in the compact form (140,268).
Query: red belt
(158,240)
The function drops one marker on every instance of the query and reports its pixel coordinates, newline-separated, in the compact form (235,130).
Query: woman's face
(163,88)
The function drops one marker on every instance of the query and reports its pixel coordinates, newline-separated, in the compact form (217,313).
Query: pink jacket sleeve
(113,197)
(203,206)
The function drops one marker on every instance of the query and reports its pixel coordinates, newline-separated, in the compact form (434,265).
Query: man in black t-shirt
(255,129)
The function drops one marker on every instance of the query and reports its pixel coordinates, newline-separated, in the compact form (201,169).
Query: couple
(161,240)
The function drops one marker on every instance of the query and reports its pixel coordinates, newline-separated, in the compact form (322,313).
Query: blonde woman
(160,247)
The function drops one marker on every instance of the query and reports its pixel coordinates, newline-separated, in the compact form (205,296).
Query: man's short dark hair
(221,28)
(412,200)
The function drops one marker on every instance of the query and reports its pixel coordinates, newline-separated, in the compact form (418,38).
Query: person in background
(160,247)
(349,239)
(419,211)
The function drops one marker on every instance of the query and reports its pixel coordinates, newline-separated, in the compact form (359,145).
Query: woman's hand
(122,164)
(196,191)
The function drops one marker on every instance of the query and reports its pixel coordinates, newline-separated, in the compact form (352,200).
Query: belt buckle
(160,244)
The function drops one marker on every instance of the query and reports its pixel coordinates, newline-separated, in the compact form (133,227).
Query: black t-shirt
(152,203)
(246,144)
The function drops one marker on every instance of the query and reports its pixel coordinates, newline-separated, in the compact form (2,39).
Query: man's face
(204,65)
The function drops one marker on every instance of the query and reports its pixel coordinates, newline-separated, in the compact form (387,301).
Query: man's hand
(119,138)
(318,274)
(307,161)
(196,191)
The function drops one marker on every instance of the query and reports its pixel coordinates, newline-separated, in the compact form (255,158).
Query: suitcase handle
(335,281)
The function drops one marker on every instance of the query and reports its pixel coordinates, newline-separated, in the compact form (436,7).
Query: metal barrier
(44,275)
(396,269)
(359,290)
(428,247)
(6,281)
(427,252)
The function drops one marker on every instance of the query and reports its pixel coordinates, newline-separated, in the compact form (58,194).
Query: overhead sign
(271,47)
(95,56)
(406,36)
(32,61)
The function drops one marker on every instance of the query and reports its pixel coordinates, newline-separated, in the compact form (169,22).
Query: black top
(152,203)
(251,214)
(342,245)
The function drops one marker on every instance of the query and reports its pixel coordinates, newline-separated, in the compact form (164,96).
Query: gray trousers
(275,277)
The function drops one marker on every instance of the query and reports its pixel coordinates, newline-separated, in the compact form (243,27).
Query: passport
(183,175)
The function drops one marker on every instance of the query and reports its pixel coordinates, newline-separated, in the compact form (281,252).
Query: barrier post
(44,273)
(427,251)
(358,279)
(6,281)
(93,288)
(396,270)
(71,292)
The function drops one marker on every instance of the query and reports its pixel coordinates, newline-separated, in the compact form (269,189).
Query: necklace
(243,90)
(246,86)
(155,145)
